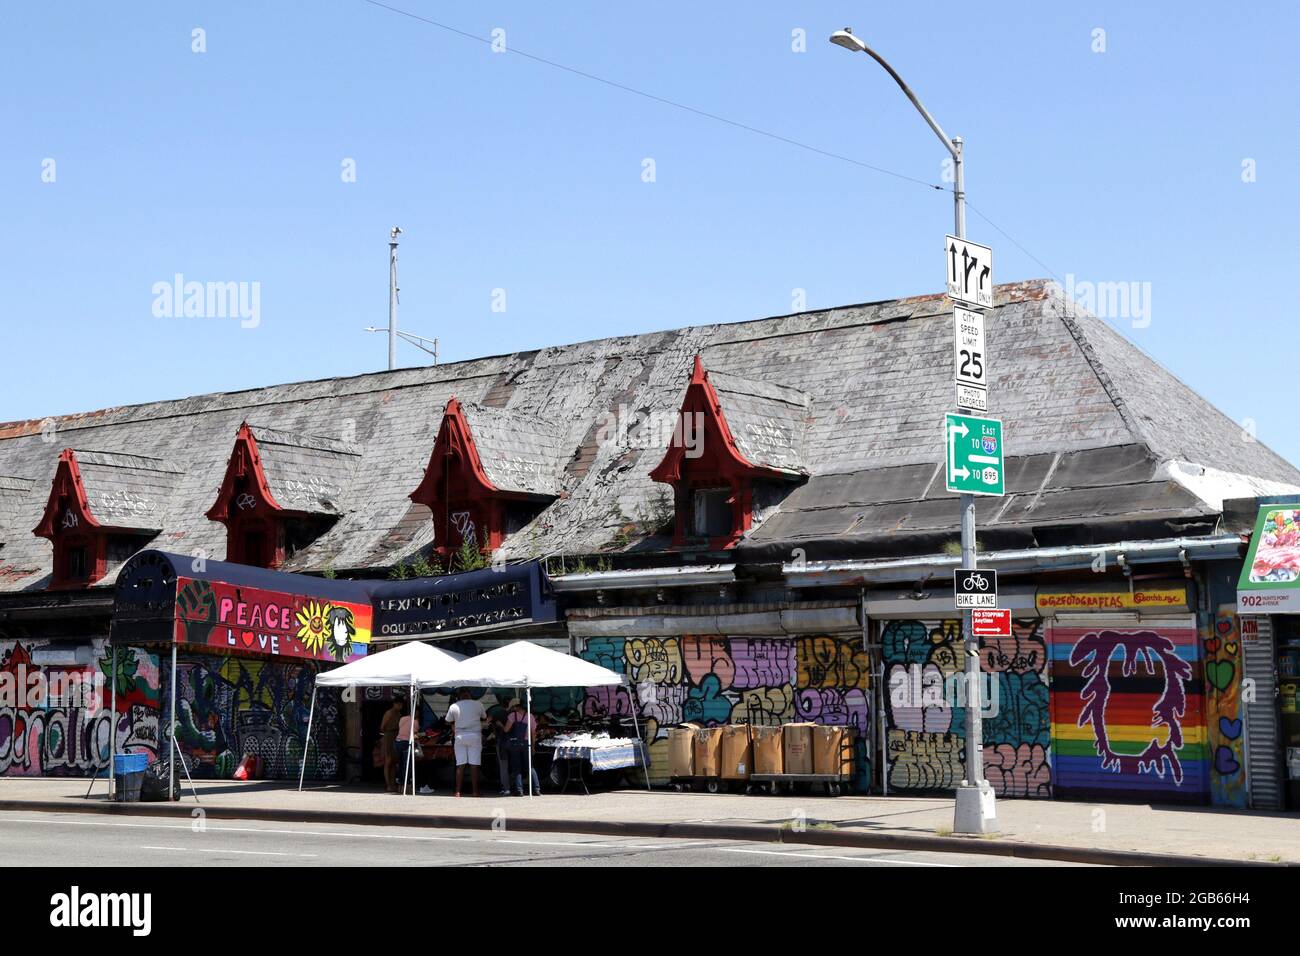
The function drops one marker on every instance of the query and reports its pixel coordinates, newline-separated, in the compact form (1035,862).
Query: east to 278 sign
(974,452)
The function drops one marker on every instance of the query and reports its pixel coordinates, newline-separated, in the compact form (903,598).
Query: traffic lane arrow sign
(970,271)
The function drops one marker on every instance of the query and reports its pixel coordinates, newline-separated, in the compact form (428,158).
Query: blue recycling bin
(129,770)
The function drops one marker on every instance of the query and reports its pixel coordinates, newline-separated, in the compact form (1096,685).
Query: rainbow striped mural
(1128,712)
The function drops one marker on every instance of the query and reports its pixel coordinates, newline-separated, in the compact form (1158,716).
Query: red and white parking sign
(990,623)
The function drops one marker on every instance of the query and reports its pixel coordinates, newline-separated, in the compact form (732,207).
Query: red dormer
(93,529)
(490,473)
(714,472)
(79,541)
(245,505)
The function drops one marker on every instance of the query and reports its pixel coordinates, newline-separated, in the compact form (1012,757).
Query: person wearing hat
(520,731)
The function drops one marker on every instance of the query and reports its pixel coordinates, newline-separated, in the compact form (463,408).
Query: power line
(735,124)
(663,100)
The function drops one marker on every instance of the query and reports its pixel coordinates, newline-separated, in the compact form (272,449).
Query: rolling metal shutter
(1263,753)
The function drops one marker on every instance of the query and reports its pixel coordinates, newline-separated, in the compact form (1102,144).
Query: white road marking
(347,834)
(824,856)
(210,828)
(192,849)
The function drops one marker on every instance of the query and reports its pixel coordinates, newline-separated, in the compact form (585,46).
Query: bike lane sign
(975,588)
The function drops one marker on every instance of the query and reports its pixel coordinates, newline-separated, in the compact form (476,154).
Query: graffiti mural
(1221,644)
(711,679)
(228,707)
(1128,712)
(61,731)
(925,722)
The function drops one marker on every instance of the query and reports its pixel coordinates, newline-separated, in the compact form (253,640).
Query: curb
(626,828)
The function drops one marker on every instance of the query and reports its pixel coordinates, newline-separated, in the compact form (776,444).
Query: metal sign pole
(975,811)
(171,760)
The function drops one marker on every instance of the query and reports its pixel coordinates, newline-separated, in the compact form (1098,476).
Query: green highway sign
(974,450)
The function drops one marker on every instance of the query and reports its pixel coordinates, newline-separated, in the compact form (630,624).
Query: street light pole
(392,297)
(975,810)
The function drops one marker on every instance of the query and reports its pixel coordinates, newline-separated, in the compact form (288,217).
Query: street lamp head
(846,39)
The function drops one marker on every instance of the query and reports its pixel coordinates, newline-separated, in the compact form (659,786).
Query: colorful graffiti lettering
(925,723)
(710,679)
(74,737)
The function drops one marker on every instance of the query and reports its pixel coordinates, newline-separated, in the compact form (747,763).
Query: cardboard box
(798,748)
(681,750)
(833,750)
(768,753)
(737,752)
(708,752)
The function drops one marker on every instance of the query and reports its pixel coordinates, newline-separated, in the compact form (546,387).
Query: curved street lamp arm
(938,130)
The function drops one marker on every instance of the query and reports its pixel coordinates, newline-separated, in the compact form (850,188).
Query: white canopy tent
(410,665)
(527,665)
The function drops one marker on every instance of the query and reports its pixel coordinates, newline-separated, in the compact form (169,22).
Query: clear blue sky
(1122,166)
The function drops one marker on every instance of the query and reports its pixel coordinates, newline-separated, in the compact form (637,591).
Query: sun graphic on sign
(312,627)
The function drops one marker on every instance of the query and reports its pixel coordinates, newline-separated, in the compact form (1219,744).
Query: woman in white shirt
(467,715)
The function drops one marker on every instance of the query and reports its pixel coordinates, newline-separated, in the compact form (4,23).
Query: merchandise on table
(600,749)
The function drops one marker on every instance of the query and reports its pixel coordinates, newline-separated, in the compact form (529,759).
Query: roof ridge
(409,377)
(1080,336)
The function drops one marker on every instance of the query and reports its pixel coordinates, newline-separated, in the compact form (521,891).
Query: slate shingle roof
(306,472)
(766,420)
(877,377)
(519,452)
(127,491)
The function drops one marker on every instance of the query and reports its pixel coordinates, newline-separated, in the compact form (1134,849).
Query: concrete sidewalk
(1083,832)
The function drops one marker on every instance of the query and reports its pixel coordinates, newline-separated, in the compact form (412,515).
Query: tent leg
(171,770)
(112,722)
(410,748)
(642,747)
(184,766)
(528,692)
(112,738)
(306,742)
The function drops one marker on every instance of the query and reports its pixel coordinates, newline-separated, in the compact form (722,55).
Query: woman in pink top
(404,745)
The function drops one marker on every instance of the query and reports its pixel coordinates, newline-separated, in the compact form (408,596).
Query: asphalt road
(78,840)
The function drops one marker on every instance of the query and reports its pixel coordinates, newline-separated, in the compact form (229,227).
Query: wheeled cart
(834,783)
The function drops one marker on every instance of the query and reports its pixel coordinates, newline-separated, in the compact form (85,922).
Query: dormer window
(492,471)
(744,436)
(280,493)
(103,507)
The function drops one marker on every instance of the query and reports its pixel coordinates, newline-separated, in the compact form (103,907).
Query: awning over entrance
(165,598)
(472,602)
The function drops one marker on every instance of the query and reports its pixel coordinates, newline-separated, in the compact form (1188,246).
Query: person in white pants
(467,715)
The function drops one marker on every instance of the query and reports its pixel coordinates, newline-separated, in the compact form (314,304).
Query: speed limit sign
(970,359)
(975,587)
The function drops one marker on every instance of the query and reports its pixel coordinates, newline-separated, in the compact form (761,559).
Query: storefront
(1268,600)
(231,652)
(1096,694)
